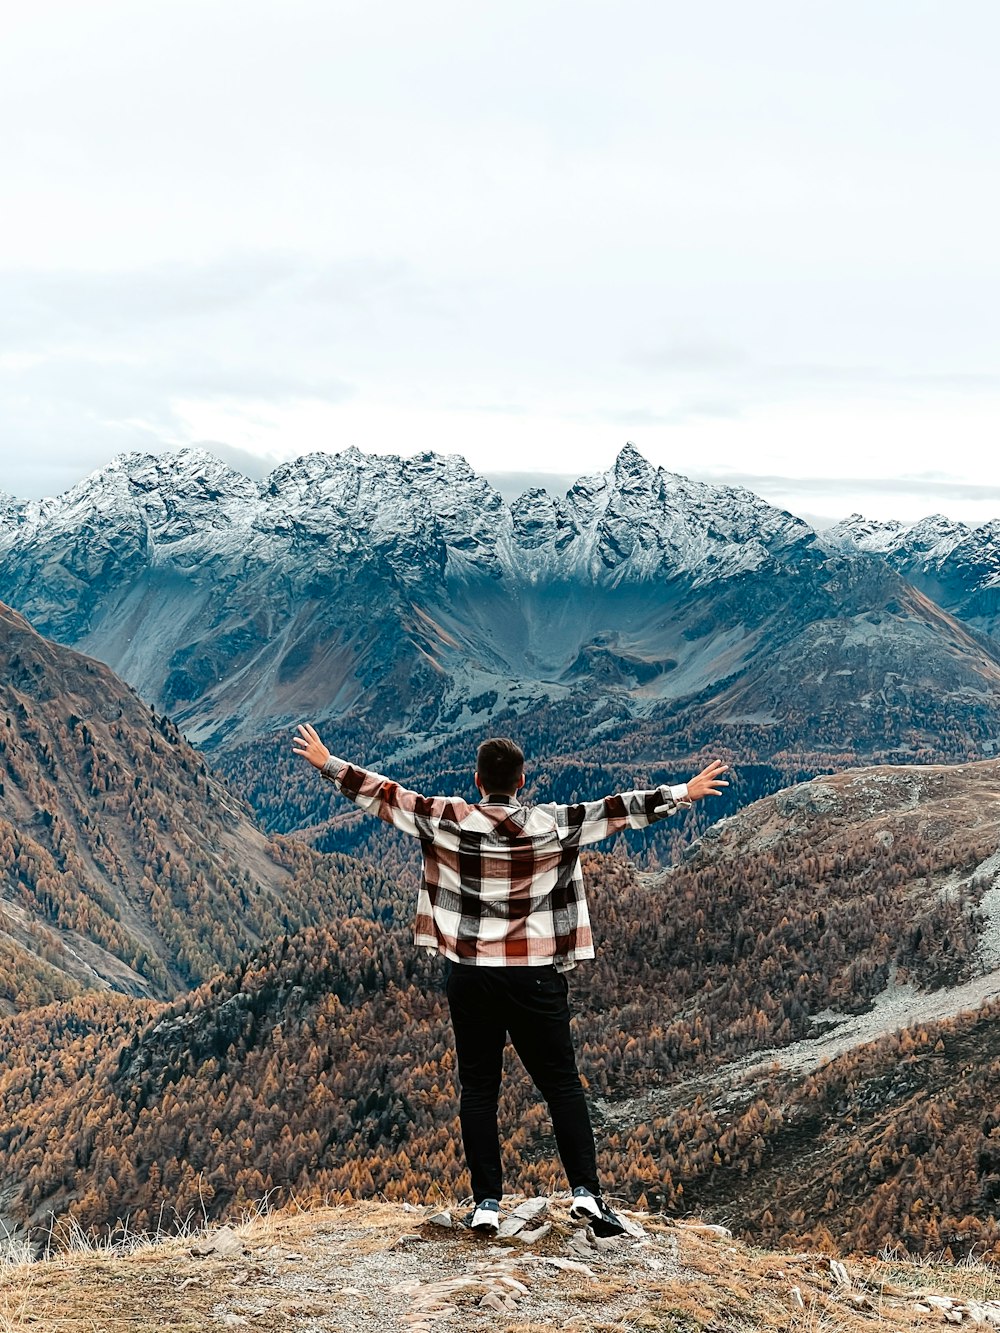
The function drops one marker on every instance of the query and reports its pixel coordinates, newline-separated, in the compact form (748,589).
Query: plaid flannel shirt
(502,884)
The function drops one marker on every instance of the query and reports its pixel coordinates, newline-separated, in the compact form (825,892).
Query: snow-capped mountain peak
(634,520)
(954,563)
(856,532)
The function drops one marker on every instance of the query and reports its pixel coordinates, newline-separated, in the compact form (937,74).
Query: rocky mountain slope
(408,597)
(124,861)
(956,564)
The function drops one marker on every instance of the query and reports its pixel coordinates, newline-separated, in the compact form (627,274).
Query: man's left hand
(308,744)
(709,782)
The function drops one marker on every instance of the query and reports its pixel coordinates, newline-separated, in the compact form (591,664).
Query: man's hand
(308,744)
(708,782)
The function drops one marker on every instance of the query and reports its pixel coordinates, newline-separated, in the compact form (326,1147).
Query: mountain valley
(206,974)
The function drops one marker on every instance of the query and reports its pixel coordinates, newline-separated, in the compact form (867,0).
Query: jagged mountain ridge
(343,576)
(430,505)
(408,593)
(956,564)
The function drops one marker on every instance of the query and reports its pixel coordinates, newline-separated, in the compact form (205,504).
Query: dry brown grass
(288,1281)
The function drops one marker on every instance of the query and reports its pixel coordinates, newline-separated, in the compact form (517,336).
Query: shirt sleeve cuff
(333,768)
(674,798)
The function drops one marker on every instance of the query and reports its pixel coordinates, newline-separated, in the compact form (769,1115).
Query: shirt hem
(562,963)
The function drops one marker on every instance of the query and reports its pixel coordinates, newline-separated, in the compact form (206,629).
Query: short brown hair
(500,763)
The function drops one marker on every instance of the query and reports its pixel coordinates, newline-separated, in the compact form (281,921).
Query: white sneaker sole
(584,1208)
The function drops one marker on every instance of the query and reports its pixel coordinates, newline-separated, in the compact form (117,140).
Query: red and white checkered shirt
(502,884)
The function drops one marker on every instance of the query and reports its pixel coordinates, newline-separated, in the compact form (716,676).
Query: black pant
(531,1004)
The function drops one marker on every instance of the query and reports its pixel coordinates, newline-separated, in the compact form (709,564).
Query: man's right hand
(709,781)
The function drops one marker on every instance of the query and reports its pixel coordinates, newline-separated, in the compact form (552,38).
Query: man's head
(499,767)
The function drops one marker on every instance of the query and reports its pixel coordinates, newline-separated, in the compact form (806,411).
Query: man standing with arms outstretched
(502,898)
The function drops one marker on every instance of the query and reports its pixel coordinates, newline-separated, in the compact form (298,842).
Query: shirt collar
(500,800)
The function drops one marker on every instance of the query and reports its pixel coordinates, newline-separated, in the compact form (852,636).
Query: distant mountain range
(409,596)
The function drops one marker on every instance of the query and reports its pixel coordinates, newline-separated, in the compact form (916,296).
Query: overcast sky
(759,240)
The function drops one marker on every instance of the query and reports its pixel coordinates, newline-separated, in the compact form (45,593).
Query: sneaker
(593,1208)
(485,1217)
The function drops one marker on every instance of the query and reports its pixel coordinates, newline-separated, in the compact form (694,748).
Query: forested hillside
(125,862)
(897,1143)
(324,1066)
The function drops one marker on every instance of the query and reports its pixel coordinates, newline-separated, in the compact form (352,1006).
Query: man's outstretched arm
(372,792)
(590,821)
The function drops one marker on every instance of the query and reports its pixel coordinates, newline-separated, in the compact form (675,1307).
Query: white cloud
(760,236)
